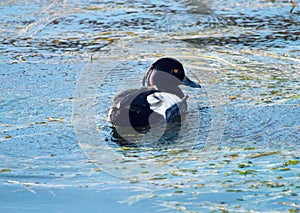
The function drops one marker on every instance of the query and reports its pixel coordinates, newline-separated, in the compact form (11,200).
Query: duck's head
(167,73)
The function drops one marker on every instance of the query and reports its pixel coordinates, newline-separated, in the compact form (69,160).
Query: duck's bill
(186,81)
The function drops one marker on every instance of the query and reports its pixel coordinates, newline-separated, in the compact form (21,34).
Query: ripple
(244,53)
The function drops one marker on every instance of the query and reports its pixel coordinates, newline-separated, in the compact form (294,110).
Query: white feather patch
(109,114)
(160,102)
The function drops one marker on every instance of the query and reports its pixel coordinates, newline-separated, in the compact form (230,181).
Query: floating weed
(178,185)
(245,172)
(279,177)
(222,209)
(246,78)
(227,161)
(177,151)
(128,161)
(8,136)
(234,190)
(294,210)
(274,92)
(96,40)
(94,8)
(265,154)
(189,170)
(233,156)
(158,178)
(125,148)
(249,148)
(227,173)
(130,33)
(232,98)
(178,192)
(201,185)
(243,165)
(290,204)
(267,101)
(291,162)
(253,186)
(174,173)
(5,170)
(40,123)
(281,168)
(295,96)
(158,55)
(274,184)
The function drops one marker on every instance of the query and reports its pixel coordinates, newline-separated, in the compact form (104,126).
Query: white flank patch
(109,114)
(161,101)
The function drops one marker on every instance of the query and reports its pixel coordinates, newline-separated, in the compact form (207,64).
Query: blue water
(62,62)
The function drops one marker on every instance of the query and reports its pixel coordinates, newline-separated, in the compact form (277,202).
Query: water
(62,62)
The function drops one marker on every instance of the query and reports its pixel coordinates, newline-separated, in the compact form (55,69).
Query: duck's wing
(166,104)
(177,110)
(131,105)
(120,105)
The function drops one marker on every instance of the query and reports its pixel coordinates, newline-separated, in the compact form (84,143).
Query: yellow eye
(175,71)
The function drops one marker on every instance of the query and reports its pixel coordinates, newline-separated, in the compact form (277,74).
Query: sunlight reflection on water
(246,56)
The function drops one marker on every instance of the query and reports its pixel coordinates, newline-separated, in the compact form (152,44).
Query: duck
(159,100)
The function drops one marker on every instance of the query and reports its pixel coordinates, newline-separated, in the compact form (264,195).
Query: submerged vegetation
(63,62)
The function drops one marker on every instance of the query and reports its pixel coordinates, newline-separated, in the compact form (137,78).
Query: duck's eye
(175,71)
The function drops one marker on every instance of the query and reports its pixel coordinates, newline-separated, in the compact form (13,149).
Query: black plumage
(160,100)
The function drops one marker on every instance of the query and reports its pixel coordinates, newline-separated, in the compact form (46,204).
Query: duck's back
(134,107)
(131,108)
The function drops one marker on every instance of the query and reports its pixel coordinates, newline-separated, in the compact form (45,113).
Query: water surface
(62,62)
